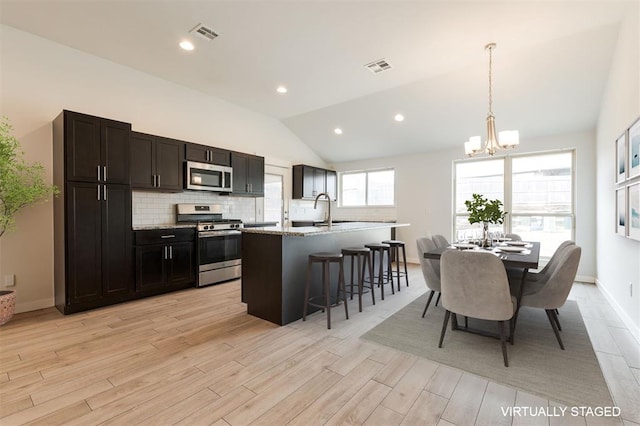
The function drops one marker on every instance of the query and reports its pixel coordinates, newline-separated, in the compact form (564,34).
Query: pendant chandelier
(506,139)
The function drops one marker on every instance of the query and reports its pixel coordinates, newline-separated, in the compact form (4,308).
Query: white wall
(424,191)
(618,258)
(40,78)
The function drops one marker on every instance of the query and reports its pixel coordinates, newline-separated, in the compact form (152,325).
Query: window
(536,189)
(367,188)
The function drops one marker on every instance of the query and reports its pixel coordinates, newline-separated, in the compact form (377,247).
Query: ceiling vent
(378,66)
(204,32)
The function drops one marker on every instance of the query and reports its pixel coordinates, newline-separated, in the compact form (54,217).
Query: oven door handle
(209,234)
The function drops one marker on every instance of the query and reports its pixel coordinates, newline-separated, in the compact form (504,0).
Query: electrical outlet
(9,280)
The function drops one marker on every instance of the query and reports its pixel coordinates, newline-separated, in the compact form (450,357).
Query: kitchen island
(274,263)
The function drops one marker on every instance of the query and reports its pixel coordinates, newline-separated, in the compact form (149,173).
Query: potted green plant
(21,184)
(485,211)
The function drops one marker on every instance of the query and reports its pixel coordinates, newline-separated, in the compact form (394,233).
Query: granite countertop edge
(309,231)
(167,226)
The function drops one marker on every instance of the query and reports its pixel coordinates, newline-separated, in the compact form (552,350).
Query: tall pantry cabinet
(93,249)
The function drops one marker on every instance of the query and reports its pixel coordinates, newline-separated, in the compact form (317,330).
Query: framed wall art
(621,211)
(621,158)
(633,151)
(633,211)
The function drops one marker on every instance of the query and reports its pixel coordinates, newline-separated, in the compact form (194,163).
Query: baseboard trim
(634,329)
(35,305)
(586,279)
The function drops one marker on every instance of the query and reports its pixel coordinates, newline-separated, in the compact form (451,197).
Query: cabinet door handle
(165,252)
(98,173)
(170,252)
(104,192)
(104,173)
(208,155)
(158,181)
(155,180)
(168,236)
(98,193)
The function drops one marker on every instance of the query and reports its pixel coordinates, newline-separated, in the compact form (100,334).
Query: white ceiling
(550,65)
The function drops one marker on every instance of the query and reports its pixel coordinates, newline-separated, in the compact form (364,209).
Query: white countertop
(308,231)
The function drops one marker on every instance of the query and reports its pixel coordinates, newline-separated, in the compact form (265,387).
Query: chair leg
(551,315)
(380,283)
(454,322)
(397,255)
(341,284)
(438,299)
(466,322)
(352,278)
(444,327)
(555,317)
(373,293)
(327,291)
(404,262)
(360,282)
(428,301)
(390,272)
(503,343)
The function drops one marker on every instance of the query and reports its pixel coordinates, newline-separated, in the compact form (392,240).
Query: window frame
(508,189)
(366,188)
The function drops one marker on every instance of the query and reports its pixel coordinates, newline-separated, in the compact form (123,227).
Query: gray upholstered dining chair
(551,265)
(513,237)
(475,285)
(553,291)
(440,240)
(430,269)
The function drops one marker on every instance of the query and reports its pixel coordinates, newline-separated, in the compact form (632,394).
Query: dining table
(529,258)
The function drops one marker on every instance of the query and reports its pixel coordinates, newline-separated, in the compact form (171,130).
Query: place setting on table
(509,250)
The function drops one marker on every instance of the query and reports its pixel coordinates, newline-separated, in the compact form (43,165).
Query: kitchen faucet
(315,205)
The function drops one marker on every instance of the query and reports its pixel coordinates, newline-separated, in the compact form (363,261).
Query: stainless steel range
(218,242)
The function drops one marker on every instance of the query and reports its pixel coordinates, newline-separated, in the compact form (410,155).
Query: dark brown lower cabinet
(98,270)
(165,260)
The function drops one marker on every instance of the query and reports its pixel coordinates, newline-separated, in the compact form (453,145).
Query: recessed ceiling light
(186,45)
(281,89)
(399,117)
(337,131)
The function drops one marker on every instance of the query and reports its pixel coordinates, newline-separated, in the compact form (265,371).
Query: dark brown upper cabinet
(97,149)
(309,181)
(248,174)
(207,154)
(156,163)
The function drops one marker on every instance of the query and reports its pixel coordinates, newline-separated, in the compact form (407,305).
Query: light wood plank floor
(195,357)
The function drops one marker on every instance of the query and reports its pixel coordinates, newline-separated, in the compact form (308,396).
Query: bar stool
(363,254)
(382,277)
(325,300)
(396,245)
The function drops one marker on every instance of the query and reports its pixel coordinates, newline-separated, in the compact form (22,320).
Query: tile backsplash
(158,208)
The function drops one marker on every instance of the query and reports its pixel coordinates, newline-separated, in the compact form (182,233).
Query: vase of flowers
(485,211)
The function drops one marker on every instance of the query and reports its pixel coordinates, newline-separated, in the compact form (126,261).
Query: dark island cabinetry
(92,233)
(248,174)
(156,163)
(165,260)
(309,181)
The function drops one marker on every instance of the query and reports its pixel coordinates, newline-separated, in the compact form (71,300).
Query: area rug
(536,363)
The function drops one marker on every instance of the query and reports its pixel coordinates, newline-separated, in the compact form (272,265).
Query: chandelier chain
(490,83)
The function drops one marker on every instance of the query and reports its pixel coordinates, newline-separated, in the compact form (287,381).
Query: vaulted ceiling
(549,74)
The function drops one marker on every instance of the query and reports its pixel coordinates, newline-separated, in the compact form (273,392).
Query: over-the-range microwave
(208,177)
